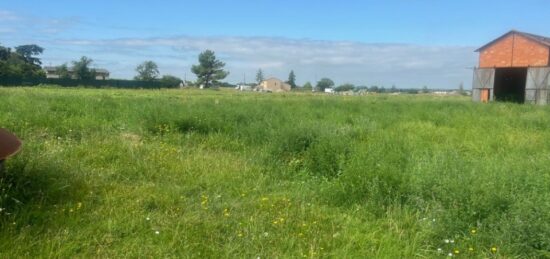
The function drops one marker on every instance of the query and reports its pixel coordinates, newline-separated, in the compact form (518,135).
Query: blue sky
(406,43)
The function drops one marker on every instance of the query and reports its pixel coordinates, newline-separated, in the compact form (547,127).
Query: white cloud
(24,25)
(344,61)
(6,16)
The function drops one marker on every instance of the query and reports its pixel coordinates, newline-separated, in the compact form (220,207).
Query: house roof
(273,78)
(537,38)
(70,69)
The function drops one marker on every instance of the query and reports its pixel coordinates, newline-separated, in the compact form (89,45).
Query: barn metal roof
(540,39)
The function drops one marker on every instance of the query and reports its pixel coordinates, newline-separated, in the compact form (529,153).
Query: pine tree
(259,76)
(209,70)
(292,79)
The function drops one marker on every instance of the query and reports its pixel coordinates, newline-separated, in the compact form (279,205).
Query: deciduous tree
(28,52)
(147,71)
(307,86)
(324,83)
(344,88)
(81,69)
(63,71)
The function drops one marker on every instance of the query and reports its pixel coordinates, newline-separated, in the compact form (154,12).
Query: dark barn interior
(510,84)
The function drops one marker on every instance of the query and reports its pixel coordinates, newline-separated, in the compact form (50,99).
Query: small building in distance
(52,72)
(273,85)
(514,67)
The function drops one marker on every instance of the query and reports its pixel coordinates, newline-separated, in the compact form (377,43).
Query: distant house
(242,87)
(329,90)
(100,74)
(273,85)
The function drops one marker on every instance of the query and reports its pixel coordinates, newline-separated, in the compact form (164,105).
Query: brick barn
(514,67)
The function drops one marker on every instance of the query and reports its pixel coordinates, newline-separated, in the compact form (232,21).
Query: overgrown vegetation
(21,63)
(189,173)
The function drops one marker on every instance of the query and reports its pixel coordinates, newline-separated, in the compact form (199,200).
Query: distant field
(210,174)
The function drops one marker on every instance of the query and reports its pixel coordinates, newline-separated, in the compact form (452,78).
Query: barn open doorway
(510,84)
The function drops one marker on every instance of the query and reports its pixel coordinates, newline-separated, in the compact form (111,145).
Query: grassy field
(223,174)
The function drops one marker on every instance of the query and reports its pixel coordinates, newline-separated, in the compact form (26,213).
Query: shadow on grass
(30,190)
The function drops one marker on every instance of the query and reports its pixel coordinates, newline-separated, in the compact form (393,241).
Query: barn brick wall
(514,51)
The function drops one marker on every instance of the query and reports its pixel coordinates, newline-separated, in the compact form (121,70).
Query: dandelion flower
(494,249)
(456,251)
(147,219)
(471,249)
(473,231)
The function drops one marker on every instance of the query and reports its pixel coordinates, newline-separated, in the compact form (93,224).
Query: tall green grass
(188,173)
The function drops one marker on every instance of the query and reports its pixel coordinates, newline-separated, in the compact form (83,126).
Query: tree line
(23,62)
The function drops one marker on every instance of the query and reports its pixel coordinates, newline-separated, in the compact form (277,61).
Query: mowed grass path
(223,174)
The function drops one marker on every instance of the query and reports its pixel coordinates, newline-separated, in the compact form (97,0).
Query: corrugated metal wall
(538,85)
(484,78)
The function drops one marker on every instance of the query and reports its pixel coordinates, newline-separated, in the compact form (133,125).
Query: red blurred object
(9,144)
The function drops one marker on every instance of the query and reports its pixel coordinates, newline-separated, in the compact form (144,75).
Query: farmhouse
(273,85)
(514,67)
(52,72)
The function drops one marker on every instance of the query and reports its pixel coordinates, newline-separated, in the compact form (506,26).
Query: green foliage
(344,88)
(220,174)
(171,80)
(21,64)
(425,89)
(259,76)
(209,70)
(324,83)
(63,71)
(28,52)
(307,86)
(109,83)
(81,69)
(291,79)
(147,71)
